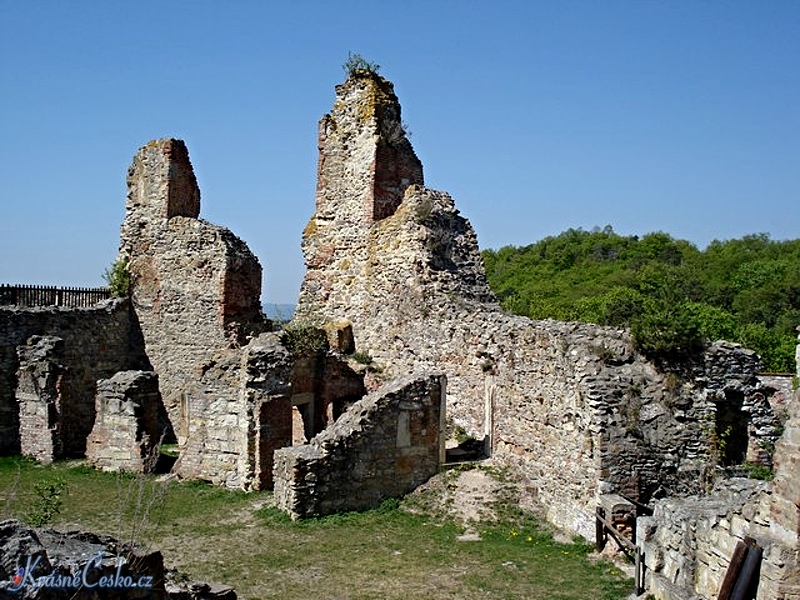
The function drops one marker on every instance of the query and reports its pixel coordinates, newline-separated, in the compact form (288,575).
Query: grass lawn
(240,540)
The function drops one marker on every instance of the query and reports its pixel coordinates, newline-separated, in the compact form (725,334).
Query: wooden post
(732,574)
(488,415)
(638,565)
(746,586)
(599,529)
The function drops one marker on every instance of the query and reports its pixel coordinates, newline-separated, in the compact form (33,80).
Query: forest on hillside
(672,295)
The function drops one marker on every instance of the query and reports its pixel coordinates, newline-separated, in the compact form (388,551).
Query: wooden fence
(46,295)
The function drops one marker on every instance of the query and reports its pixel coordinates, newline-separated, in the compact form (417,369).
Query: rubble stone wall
(383,446)
(97,342)
(126,433)
(576,410)
(41,397)
(196,286)
(688,543)
(237,415)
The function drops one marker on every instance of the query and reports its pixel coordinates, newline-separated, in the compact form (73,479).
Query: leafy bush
(118,277)
(47,504)
(672,295)
(305,340)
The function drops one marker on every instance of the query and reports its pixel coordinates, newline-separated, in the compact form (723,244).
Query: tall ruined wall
(196,286)
(576,410)
(97,342)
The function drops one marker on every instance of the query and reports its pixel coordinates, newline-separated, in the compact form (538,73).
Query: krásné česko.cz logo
(88,577)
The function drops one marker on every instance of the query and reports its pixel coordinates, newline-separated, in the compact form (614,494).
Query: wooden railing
(45,295)
(604,529)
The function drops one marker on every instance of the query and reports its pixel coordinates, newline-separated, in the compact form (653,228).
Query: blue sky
(680,116)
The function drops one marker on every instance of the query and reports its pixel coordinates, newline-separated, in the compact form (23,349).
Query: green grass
(234,538)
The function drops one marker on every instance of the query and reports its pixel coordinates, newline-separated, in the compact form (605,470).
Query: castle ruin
(394,271)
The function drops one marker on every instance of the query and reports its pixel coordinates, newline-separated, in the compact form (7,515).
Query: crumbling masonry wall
(237,415)
(688,543)
(196,286)
(383,446)
(126,433)
(40,395)
(95,343)
(576,410)
(196,293)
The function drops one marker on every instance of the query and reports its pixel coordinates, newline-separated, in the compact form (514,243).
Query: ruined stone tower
(196,286)
(367,172)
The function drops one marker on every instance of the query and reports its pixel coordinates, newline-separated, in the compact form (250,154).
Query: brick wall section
(97,342)
(577,411)
(126,432)
(196,286)
(42,397)
(383,446)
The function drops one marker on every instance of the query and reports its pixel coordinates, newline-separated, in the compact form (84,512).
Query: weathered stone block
(40,396)
(126,434)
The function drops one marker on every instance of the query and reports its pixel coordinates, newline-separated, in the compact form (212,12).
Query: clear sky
(680,115)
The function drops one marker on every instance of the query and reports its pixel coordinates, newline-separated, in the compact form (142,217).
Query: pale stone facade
(196,286)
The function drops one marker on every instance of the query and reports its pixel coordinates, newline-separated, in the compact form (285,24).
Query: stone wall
(196,294)
(237,415)
(97,342)
(42,397)
(126,435)
(196,286)
(383,446)
(688,543)
(576,410)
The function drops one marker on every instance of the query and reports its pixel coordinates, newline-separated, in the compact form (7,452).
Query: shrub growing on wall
(358,66)
(118,278)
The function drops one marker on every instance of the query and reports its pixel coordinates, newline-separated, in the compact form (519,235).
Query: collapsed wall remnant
(237,414)
(41,397)
(688,543)
(127,434)
(196,292)
(383,446)
(47,387)
(323,383)
(573,407)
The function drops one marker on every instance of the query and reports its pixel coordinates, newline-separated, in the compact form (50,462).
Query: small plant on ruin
(717,442)
(357,66)
(304,340)
(362,358)
(119,279)
(47,504)
(756,471)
